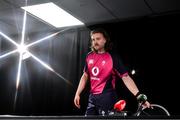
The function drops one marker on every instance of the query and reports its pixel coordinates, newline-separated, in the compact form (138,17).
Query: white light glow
(24,54)
(22,49)
(24,28)
(9,53)
(19,71)
(8,38)
(41,62)
(49,68)
(41,40)
(133,72)
(53,15)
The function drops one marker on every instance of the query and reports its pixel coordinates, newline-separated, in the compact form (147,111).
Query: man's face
(98,41)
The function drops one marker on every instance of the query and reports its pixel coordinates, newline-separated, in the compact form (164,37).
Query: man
(102,68)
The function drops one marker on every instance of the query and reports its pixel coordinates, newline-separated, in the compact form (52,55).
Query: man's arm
(80,88)
(82,83)
(130,84)
(128,81)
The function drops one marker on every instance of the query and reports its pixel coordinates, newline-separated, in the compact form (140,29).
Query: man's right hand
(77,101)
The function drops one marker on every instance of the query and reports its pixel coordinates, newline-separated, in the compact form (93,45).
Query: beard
(97,47)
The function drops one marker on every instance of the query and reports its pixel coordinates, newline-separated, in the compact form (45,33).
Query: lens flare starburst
(24,53)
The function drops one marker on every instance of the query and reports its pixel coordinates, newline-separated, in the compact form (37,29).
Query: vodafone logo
(95,71)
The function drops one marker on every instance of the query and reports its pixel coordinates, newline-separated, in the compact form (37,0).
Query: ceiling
(88,11)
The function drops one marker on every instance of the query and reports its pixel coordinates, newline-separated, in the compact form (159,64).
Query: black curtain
(149,45)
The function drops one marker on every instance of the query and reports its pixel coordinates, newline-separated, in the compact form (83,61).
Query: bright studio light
(24,53)
(22,49)
(133,72)
(53,14)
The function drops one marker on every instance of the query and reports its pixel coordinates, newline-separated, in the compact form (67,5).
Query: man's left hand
(146,105)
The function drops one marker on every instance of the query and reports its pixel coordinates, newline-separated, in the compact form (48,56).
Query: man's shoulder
(115,56)
(89,53)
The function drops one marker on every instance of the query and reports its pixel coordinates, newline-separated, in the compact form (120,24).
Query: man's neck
(101,51)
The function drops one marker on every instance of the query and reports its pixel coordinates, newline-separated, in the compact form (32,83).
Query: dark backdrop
(150,46)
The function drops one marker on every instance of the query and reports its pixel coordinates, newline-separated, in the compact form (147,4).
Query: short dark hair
(108,44)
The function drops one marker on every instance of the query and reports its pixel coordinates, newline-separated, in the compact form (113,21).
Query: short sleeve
(86,65)
(118,65)
(85,68)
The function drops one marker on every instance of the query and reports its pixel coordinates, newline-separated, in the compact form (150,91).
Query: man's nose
(96,40)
